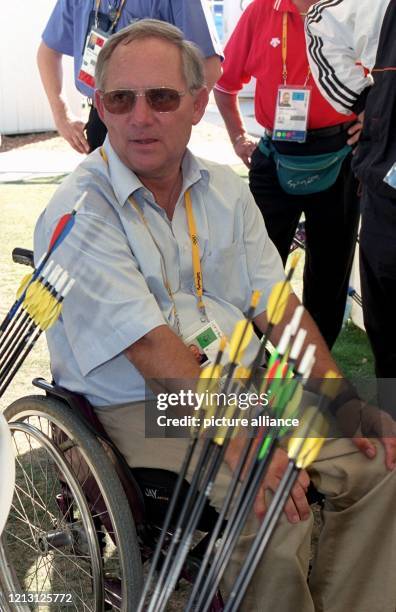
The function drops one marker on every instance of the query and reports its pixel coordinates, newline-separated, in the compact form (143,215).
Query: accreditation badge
(94,43)
(204,343)
(292,111)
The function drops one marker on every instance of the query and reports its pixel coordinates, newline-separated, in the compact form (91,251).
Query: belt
(325,132)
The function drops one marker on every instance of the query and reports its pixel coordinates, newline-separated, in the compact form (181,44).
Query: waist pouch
(305,174)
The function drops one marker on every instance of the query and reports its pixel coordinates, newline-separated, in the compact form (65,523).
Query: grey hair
(192,60)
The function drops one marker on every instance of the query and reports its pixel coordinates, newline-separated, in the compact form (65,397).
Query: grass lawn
(353,352)
(21,205)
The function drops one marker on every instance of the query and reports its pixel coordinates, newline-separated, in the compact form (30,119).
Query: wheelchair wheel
(70,528)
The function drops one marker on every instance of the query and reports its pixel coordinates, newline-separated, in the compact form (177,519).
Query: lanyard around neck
(284,51)
(114,15)
(196,260)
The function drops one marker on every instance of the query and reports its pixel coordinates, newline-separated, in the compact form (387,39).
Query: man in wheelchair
(156,225)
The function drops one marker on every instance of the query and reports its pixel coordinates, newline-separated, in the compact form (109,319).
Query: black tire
(83,451)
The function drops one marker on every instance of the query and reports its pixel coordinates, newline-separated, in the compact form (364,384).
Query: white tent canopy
(23,104)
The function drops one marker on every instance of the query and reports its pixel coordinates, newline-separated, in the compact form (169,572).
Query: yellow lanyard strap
(116,18)
(284,48)
(284,51)
(195,252)
(196,259)
(118,15)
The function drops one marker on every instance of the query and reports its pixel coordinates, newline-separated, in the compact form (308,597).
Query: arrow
(31,337)
(243,506)
(205,473)
(210,373)
(303,451)
(21,322)
(62,229)
(276,307)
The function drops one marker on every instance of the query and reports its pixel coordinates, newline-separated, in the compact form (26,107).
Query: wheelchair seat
(148,490)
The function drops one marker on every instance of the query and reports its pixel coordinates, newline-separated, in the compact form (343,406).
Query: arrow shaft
(10,377)
(229,540)
(175,495)
(16,352)
(12,338)
(196,479)
(220,522)
(262,538)
(196,514)
(4,337)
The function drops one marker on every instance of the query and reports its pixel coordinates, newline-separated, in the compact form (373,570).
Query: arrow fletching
(293,263)
(24,283)
(241,336)
(64,226)
(277,302)
(305,444)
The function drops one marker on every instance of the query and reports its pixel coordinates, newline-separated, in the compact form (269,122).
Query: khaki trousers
(355,566)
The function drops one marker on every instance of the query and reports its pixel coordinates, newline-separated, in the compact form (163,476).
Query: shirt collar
(125,182)
(285,6)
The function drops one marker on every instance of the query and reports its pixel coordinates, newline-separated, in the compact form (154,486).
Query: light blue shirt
(120,295)
(70,23)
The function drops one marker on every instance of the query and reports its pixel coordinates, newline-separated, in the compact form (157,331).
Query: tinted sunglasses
(160,99)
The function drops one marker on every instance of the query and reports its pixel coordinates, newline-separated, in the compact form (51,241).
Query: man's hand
(72,130)
(372,424)
(355,130)
(49,63)
(297,507)
(377,424)
(244,147)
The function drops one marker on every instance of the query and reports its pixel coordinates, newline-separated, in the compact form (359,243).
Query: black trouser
(331,221)
(378,278)
(95,130)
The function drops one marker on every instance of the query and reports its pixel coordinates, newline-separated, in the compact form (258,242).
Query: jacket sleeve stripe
(328,79)
(315,14)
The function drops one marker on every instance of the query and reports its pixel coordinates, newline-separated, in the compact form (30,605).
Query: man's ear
(99,104)
(201,99)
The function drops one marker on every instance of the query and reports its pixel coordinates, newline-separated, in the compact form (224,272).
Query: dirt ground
(41,140)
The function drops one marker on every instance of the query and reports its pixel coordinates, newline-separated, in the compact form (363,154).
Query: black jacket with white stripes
(340,34)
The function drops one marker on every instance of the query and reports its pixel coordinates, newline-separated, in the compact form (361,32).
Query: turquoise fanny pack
(305,174)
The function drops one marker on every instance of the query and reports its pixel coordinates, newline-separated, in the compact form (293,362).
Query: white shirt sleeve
(342,37)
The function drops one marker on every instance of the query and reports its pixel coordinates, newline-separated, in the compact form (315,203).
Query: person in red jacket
(303,161)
